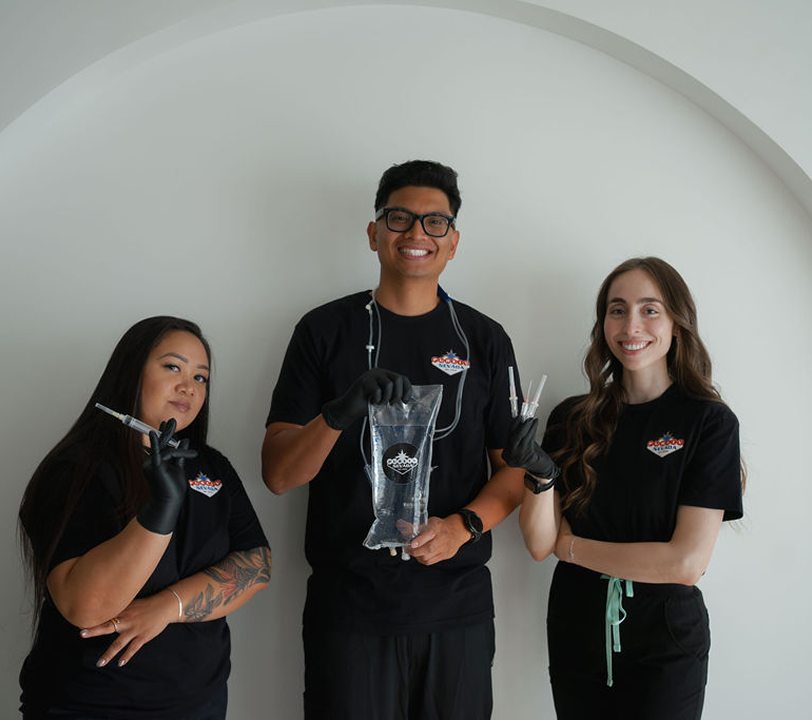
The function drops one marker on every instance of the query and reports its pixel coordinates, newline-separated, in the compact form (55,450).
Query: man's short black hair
(420,173)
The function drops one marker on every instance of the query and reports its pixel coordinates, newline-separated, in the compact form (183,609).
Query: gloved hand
(166,479)
(522,450)
(376,386)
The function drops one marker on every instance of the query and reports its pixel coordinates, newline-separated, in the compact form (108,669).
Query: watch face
(472,521)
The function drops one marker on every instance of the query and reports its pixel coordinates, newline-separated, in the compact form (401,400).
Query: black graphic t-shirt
(668,452)
(365,590)
(182,667)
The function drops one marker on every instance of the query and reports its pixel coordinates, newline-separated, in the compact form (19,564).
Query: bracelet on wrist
(180,602)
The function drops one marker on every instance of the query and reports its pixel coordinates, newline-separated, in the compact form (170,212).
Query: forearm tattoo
(232,576)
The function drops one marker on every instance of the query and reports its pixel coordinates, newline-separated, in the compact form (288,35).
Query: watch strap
(473,524)
(535,485)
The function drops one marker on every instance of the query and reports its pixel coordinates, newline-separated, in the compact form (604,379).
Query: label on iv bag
(400,461)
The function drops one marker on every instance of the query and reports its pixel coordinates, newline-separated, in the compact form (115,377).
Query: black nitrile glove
(376,386)
(522,450)
(166,479)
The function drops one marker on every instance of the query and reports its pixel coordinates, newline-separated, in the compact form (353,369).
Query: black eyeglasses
(400,220)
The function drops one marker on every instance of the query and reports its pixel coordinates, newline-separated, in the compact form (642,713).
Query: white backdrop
(229,179)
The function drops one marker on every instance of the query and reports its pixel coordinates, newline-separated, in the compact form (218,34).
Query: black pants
(435,676)
(662,667)
(214,709)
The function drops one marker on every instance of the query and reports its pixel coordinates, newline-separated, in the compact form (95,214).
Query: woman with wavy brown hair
(650,468)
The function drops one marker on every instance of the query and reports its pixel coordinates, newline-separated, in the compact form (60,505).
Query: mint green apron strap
(615,614)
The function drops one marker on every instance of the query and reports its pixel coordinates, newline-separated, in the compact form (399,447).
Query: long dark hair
(62,476)
(592,421)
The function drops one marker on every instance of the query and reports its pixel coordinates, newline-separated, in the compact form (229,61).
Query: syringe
(514,401)
(135,424)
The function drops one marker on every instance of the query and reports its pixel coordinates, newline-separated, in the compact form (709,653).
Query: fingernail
(415,544)
(101,663)
(122,663)
(83,633)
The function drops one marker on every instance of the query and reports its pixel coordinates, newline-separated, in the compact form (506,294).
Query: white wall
(755,54)
(229,178)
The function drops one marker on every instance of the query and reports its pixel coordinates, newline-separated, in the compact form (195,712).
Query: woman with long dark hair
(650,468)
(138,549)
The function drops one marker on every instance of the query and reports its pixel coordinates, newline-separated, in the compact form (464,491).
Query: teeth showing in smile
(413,252)
(634,346)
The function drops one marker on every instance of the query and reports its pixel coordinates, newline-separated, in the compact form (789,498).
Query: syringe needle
(136,424)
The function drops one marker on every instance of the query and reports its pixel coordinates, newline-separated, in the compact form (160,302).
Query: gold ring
(115,622)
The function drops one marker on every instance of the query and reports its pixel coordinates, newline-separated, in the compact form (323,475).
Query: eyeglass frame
(384,213)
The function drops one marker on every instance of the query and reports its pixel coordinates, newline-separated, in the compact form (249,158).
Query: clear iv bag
(401,436)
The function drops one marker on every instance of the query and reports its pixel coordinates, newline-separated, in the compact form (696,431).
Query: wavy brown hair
(592,420)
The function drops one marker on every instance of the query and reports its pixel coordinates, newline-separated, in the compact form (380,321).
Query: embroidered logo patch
(665,445)
(450,363)
(202,484)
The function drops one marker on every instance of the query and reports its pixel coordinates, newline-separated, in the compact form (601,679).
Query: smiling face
(637,327)
(174,380)
(413,254)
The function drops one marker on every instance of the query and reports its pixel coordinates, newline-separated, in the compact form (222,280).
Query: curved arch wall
(228,176)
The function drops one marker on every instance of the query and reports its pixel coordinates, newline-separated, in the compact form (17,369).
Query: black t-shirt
(182,667)
(668,452)
(366,590)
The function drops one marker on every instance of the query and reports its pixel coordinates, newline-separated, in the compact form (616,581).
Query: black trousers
(435,676)
(214,709)
(661,669)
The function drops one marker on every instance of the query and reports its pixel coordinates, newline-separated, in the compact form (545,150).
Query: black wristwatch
(535,485)
(473,524)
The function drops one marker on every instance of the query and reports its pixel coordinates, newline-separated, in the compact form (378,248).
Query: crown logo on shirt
(205,485)
(665,445)
(450,363)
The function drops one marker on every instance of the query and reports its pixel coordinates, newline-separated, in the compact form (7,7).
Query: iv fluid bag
(401,436)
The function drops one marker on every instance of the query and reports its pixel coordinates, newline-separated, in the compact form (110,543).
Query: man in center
(386,639)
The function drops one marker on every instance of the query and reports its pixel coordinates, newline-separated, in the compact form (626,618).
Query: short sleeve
(498,408)
(244,529)
(297,395)
(555,431)
(712,477)
(94,519)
